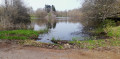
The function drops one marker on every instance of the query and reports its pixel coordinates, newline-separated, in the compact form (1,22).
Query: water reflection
(51,25)
(62,28)
(37,27)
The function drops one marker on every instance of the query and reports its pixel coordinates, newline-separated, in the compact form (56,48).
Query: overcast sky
(60,5)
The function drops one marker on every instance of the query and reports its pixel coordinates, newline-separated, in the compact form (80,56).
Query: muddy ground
(11,51)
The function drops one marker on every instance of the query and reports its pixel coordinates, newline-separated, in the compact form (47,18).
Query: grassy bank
(109,29)
(32,17)
(28,36)
(21,34)
(114,32)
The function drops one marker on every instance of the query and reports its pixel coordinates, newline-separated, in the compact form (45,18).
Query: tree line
(92,12)
(96,11)
(13,13)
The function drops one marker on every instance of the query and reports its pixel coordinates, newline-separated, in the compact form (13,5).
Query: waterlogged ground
(8,51)
(62,29)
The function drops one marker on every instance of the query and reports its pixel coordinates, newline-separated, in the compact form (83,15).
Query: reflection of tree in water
(51,25)
(54,24)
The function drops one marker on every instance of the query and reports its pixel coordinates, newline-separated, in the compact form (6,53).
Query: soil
(13,51)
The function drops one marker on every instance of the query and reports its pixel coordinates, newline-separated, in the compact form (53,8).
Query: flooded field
(60,29)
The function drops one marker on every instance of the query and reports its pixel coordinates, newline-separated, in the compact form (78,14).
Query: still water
(60,29)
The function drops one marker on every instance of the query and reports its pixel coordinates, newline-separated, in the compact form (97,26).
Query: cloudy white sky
(60,5)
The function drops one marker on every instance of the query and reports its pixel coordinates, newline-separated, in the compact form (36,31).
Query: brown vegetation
(62,14)
(13,14)
(40,13)
(96,11)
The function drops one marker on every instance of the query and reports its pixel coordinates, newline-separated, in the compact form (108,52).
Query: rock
(60,41)
(37,39)
(0,40)
(67,46)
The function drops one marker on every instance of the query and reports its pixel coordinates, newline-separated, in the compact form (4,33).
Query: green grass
(90,44)
(97,30)
(32,17)
(104,26)
(114,32)
(21,34)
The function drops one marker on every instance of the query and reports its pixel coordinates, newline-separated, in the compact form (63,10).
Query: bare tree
(95,11)
(40,13)
(14,13)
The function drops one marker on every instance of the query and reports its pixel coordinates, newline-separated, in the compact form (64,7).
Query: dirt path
(41,53)
(16,52)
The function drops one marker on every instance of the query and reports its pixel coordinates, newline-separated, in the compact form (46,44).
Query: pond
(63,28)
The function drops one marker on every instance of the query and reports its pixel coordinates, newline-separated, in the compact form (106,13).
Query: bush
(108,23)
(40,13)
(14,14)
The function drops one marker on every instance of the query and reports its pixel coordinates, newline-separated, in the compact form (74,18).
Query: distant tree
(53,8)
(31,11)
(47,8)
(61,13)
(40,13)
